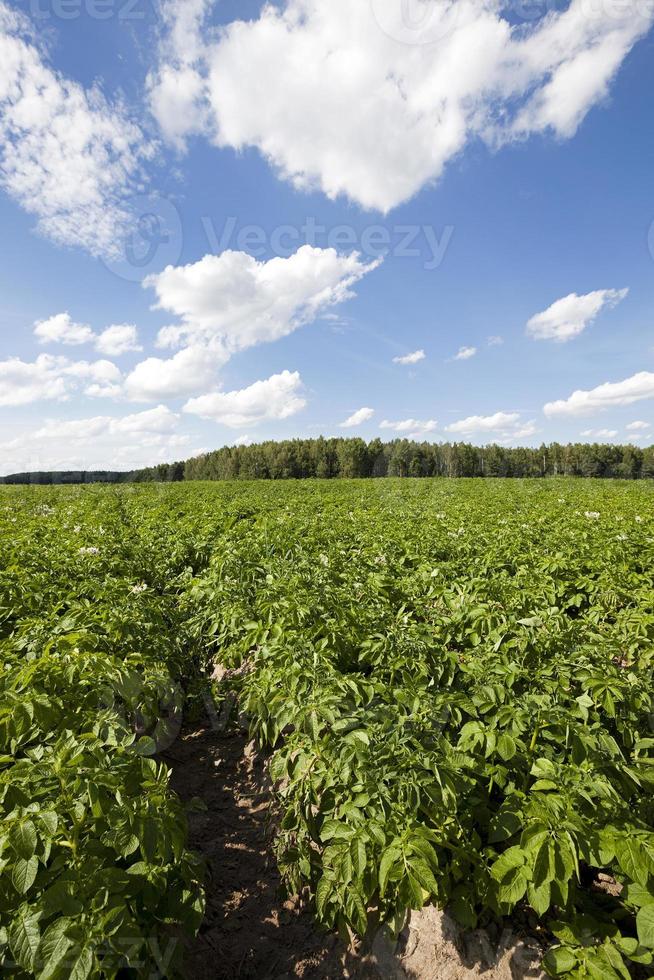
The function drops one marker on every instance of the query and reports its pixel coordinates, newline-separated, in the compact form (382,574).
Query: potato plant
(454,679)
(94,872)
(457,683)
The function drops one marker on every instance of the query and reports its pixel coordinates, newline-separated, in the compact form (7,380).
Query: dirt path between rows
(249,930)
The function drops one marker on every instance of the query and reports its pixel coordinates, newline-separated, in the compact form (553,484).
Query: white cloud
(176,88)
(49,377)
(570,315)
(225,303)
(638,426)
(244,440)
(464,353)
(119,338)
(66,155)
(278,397)
(60,329)
(372,101)
(190,370)
(357,418)
(599,433)
(505,425)
(23,382)
(155,420)
(495,341)
(100,442)
(413,426)
(176,101)
(417,355)
(236,302)
(634,389)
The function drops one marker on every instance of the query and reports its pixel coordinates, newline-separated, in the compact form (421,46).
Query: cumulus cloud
(158,420)
(61,329)
(113,341)
(414,427)
(638,426)
(278,397)
(371,101)
(190,370)
(357,418)
(417,355)
(495,341)
(119,338)
(224,303)
(505,425)
(130,441)
(48,378)
(66,155)
(176,88)
(234,301)
(570,315)
(464,353)
(637,388)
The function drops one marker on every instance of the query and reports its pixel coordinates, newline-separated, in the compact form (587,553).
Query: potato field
(453,680)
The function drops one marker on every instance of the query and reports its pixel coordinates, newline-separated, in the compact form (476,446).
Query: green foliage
(94,873)
(455,680)
(457,683)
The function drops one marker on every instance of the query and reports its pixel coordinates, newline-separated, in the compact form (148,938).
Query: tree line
(297,459)
(333,458)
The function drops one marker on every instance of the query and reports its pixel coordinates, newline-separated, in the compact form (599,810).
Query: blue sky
(337,188)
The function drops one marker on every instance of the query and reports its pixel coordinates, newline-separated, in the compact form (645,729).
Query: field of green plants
(454,679)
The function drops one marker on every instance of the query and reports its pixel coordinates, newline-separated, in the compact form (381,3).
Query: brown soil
(249,931)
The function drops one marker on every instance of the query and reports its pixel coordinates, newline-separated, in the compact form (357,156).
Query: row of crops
(455,681)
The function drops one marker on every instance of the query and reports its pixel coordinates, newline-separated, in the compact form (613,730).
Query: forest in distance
(320,458)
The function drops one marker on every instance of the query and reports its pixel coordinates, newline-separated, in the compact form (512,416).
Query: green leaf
(359,857)
(539,897)
(503,826)
(645,926)
(24,939)
(389,858)
(54,946)
(424,874)
(145,746)
(543,786)
(24,874)
(335,830)
(606,963)
(323,891)
(512,887)
(506,747)
(512,858)
(82,965)
(559,960)
(50,821)
(23,839)
(140,868)
(637,895)
(633,859)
